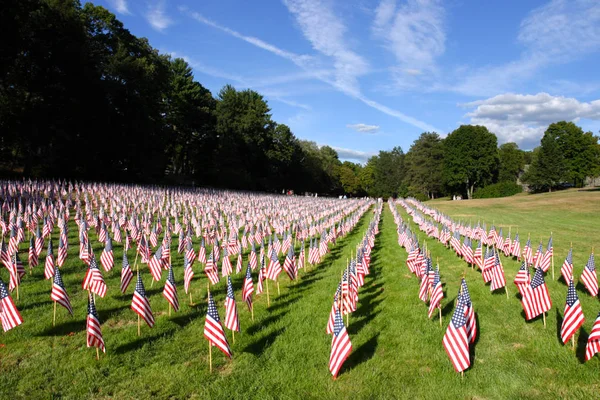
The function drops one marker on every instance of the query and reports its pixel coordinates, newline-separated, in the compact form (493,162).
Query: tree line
(83,98)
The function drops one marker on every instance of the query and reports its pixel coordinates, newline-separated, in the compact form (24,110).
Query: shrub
(500,189)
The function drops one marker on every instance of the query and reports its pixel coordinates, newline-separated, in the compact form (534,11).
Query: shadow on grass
(262,324)
(559,321)
(71,326)
(447,309)
(186,319)
(362,354)
(357,324)
(259,346)
(47,303)
(144,339)
(476,341)
(277,304)
(582,340)
(106,314)
(372,288)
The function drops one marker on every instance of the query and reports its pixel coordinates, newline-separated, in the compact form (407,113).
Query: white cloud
(305,62)
(120,6)
(349,154)
(363,128)
(414,32)
(524,118)
(157,17)
(327,34)
(558,32)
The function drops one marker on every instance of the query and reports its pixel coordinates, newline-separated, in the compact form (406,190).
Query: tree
(511,162)
(470,158)
(548,167)
(349,177)
(388,173)
(424,164)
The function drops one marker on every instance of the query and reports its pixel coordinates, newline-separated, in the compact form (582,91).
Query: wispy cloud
(363,128)
(523,118)
(157,17)
(120,6)
(414,32)
(307,63)
(558,32)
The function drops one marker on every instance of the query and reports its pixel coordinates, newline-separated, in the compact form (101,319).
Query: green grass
(397,351)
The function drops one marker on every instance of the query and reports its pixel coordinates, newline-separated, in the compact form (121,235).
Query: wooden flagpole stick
(233,336)
(573,341)
(169,309)
(544,316)
(252,311)
(54,315)
(97,354)
(278,292)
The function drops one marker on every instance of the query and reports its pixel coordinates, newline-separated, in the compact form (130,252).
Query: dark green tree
(511,162)
(424,165)
(470,158)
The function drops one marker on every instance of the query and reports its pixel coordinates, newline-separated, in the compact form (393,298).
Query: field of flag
(390,300)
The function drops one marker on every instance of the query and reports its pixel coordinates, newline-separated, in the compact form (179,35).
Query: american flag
(289,264)
(498,279)
(252,258)
(478,256)
(437,294)
(539,254)
(9,315)
(232,321)
(547,257)
(567,268)
(226,267)
(107,258)
(33,256)
(456,339)
(239,263)
(516,247)
(274,267)
(59,294)
(593,343)
(213,331)
(589,278)
(188,274)
(261,277)
(248,287)
(341,347)
(535,296)
(191,253)
(425,284)
(488,265)
(140,303)
(126,274)
(211,271)
(94,281)
(465,297)
(202,253)
(170,290)
(16,270)
(573,316)
(62,251)
(522,278)
(93,330)
(527,253)
(49,264)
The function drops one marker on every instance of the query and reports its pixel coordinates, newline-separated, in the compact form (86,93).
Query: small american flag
(232,321)
(49,264)
(567,268)
(170,290)
(140,303)
(573,317)
(535,296)
(33,257)
(456,340)
(437,294)
(274,267)
(589,278)
(9,315)
(248,287)
(93,330)
(126,274)
(59,294)
(465,297)
(155,265)
(107,258)
(188,274)
(62,251)
(213,331)
(593,343)
(341,347)
(93,279)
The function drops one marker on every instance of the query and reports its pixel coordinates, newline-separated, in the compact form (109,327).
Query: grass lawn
(284,353)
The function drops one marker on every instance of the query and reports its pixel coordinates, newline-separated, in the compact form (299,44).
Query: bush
(500,189)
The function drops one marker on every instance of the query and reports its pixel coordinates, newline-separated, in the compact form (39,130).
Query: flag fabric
(213,331)
(49,263)
(59,294)
(107,258)
(93,280)
(522,279)
(567,268)
(535,296)
(274,267)
(126,274)
(33,256)
(465,297)
(248,287)
(589,278)
(9,315)
(62,251)
(170,290)
(436,293)
(456,340)
(188,274)
(140,303)
(211,271)
(546,260)
(341,347)
(93,331)
(155,264)
(289,264)
(593,343)
(527,253)
(573,317)
(232,321)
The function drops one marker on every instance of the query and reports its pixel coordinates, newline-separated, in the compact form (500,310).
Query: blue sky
(363,76)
